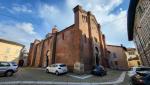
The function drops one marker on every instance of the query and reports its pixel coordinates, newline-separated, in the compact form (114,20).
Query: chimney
(77,15)
(54,30)
(124,48)
(77,8)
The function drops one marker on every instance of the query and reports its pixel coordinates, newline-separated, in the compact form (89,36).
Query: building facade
(139,28)
(23,57)
(80,46)
(133,58)
(122,58)
(117,57)
(10,51)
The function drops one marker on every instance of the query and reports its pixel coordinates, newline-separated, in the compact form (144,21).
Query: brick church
(80,46)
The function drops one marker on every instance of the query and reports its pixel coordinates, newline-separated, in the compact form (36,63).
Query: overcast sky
(25,20)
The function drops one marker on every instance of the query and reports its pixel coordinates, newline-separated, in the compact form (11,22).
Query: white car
(8,68)
(57,68)
(134,70)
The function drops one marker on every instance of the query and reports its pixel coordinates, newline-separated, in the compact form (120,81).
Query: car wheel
(47,71)
(131,82)
(57,73)
(9,73)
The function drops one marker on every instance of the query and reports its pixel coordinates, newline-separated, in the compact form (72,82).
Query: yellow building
(132,57)
(10,51)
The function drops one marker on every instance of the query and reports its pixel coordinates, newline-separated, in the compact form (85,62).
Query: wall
(120,57)
(133,57)
(86,52)
(66,51)
(47,51)
(141,31)
(90,38)
(9,52)
(32,53)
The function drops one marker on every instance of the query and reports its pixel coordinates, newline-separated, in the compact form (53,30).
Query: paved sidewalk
(38,76)
(119,80)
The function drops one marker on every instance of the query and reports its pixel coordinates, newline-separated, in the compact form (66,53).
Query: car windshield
(62,65)
(143,69)
(14,63)
(130,69)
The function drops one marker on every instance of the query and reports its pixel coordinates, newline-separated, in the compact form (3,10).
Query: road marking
(80,77)
(119,80)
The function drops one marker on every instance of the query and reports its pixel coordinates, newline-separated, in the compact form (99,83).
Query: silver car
(8,68)
(134,70)
(57,68)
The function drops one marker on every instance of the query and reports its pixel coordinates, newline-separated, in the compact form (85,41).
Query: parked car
(57,68)
(99,71)
(140,79)
(8,68)
(134,70)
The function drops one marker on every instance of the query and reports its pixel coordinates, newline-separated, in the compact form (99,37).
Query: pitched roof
(131,17)
(11,42)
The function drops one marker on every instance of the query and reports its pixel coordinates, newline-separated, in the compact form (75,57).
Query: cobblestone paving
(34,74)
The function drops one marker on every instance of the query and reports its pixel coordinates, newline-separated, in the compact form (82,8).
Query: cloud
(16,8)
(16,31)
(48,10)
(27,27)
(52,15)
(114,25)
(21,8)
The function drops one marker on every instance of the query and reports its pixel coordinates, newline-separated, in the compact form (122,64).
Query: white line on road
(81,77)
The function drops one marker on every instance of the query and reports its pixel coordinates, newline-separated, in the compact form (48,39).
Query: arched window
(96,49)
(85,39)
(95,39)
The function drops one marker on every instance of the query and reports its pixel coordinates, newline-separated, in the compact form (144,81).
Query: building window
(85,39)
(114,55)
(7,50)
(63,36)
(131,53)
(96,49)
(84,18)
(138,62)
(95,39)
(116,63)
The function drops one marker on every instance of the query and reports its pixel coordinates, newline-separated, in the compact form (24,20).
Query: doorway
(47,59)
(97,56)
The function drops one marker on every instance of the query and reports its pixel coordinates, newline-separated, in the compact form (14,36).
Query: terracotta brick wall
(32,53)
(66,48)
(75,44)
(38,54)
(47,47)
